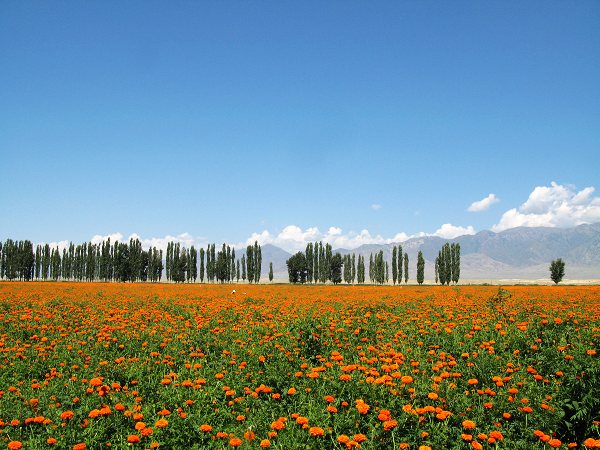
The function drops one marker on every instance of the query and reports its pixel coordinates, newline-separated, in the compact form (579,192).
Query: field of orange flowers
(90,365)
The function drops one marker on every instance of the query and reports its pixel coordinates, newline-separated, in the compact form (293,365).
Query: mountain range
(522,253)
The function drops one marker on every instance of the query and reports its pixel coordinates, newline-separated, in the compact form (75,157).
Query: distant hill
(518,253)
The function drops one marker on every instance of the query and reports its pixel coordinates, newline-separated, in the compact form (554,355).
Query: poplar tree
(201,270)
(250,263)
(193,264)
(455,262)
(309,262)
(406,268)
(360,270)
(400,258)
(420,268)
(257,262)
(270,271)
(394,264)
(316,263)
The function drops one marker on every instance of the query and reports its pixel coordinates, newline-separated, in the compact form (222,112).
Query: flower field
(91,365)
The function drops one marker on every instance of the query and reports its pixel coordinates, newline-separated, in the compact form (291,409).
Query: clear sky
(296,120)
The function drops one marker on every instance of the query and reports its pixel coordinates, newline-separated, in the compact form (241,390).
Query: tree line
(127,261)
(317,264)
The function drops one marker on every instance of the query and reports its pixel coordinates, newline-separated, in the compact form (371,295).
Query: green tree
(336,268)
(455,250)
(201,270)
(420,268)
(309,261)
(394,264)
(270,271)
(360,270)
(250,263)
(557,270)
(297,268)
(406,268)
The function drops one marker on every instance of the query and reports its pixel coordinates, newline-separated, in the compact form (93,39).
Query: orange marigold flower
(554,443)
(473,381)
(278,425)
(133,438)
(359,438)
(384,415)
(468,424)
(265,443)
(161,423)
(80,446)
(15,445)
(343,439)
(206,428)
(249,435)
(235,442)
(301,420)
(476,445)
(316,431)
(51,441)
(496,435)
(406,379)
(140,426)
(66,415)
(389,425)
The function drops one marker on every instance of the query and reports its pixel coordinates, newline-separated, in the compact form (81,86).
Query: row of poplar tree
(126,261)
(183,264)
(318,264)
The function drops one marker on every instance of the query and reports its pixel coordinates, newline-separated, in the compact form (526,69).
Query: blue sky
(236,120)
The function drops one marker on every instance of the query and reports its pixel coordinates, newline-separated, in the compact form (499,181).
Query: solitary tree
(557,270)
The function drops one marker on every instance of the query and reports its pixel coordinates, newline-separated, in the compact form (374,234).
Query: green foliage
(336,268)
(420,268)
(557,270)
(297,268)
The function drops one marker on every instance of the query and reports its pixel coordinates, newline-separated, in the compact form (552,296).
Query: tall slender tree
(394,264)
(420,268)
(406,268)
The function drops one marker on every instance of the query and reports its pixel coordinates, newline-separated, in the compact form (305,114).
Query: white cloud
(376,206)
(185,239)
(483,204)
(98,238)
(449,231)
(292,238)
(60,244)
(553,206)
